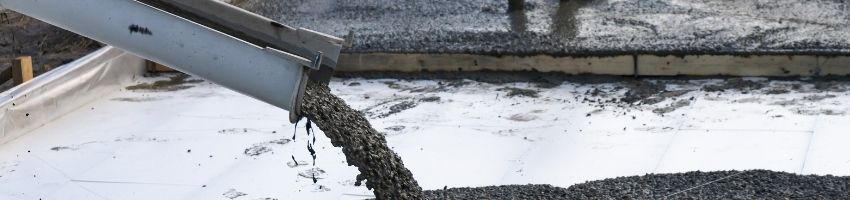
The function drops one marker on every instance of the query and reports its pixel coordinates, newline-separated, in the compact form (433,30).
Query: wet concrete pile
(756,184)
(575,28)
(362,145)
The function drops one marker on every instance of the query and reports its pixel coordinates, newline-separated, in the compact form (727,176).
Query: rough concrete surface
(362,145)
(755,184)
(577,27)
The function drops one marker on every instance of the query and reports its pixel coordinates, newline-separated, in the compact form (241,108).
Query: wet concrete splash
(362,145)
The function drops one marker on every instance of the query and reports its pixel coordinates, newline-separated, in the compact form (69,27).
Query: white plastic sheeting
(64,89)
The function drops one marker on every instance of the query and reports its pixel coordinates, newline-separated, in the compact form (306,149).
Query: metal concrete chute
(221,43)
(257,30)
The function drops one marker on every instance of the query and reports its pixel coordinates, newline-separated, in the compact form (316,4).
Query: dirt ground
(47,44)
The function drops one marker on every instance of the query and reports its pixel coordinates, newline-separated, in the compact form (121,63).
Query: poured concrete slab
(643,38)
(575,28)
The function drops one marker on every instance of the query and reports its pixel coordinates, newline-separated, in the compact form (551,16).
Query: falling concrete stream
(362,145)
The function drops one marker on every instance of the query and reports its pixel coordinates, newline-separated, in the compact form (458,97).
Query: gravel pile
(578,27)
(755,184)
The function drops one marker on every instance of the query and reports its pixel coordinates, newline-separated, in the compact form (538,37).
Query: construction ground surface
(187,138)
(179,137)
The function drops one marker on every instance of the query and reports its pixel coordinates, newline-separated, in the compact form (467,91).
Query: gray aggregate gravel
(755,184)
(576,28)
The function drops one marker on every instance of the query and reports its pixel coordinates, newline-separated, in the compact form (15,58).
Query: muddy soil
(363,146)
(48,45)
(755,184)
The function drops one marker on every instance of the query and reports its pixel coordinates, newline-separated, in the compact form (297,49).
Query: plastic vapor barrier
(66,88)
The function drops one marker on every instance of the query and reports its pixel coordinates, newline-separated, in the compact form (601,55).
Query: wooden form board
(22,70)
(639,65)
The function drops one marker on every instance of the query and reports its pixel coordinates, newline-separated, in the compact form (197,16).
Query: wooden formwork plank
(613,65)
(834,65)
(642,65)
(22,70)
(768,65)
